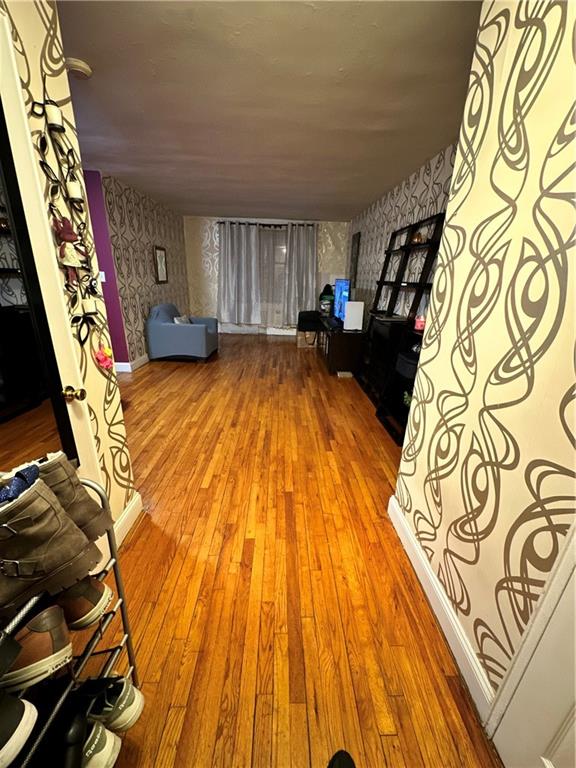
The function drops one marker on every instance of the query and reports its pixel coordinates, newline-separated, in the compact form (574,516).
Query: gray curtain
(273,276)
(239,274)
(267,274)
(300,270)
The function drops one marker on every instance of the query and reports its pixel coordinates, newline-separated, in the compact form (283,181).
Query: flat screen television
(341,296)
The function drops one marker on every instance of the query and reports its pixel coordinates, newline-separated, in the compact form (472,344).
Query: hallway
(276,616)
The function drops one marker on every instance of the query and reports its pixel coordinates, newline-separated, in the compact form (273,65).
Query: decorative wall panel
(40,60)
(332,251)
(487,478)
(12,290)
(202,249)
(136,224)
(422,194)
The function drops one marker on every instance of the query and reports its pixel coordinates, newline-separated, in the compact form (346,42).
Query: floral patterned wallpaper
(136,224)
(332,251)
(422,194)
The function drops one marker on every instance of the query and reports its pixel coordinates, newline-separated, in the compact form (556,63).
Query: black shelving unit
(91,649)
(402,293)
(392,409)
(408,266)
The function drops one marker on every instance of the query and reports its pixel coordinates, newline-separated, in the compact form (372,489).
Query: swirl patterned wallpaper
(40,60)
(422,194)
(136,224)
(332,251)
(202,249)
(487,480)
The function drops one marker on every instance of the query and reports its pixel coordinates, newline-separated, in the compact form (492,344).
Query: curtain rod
(266,224)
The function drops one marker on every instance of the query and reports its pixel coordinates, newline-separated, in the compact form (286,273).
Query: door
(34,418)
(61,355)
(537,728)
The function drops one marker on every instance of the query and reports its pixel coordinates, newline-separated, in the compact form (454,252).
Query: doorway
(34,419)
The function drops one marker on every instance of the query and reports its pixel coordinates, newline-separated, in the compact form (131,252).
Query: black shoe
(341,760)
(17,719)
(63,744)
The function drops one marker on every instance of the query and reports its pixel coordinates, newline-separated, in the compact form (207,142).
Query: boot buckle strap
(14,527)
(9,527)
(10,568)
(17,568)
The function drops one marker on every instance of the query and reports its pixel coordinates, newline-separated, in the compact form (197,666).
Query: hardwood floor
(32,434)
(276,615)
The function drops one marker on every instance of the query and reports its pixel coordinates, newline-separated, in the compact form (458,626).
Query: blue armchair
(165,338)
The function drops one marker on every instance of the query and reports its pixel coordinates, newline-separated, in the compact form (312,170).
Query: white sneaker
(120,706)
(17,718)
(101,748)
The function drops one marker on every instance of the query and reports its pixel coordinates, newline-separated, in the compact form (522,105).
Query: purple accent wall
(95,196)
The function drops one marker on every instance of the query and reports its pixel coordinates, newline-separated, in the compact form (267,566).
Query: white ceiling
(268,109)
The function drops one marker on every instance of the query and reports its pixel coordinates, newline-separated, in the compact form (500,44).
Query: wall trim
(480,689)
(555,585)
(139,362)
(234,328)
(128,517)
(280,331)
(256,330)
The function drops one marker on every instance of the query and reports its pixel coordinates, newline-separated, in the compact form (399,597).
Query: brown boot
(45,648)
(59,475)
(41,549)
(84,603)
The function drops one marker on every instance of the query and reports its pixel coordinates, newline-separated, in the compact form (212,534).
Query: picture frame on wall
(354,255)
(160,264)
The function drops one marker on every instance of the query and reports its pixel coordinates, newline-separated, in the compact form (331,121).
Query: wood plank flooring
(276,615)
(33,433)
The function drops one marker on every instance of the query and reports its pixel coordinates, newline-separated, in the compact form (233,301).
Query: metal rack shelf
(78,664)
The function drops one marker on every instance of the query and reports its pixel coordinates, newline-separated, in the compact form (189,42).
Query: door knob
(69,394)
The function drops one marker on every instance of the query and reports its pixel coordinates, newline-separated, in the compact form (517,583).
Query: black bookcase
(391,350)
(404,287)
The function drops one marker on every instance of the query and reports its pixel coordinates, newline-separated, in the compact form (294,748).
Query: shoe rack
(91,649)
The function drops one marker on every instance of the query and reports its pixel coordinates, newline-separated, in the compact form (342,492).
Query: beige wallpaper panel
(487,478)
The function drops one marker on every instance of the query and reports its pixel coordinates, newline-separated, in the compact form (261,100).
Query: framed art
(160,264)
(354,254)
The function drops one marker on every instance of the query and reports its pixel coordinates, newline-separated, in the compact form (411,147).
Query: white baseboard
(128,517)
(123,367)
(480,689)
(256,329)
(233,328)
(281,331)
(139,362)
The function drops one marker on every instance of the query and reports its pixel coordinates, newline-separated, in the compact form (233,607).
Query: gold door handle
(69,394)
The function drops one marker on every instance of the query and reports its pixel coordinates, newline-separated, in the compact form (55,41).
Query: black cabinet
(394,402)
(341,350)
(380,348)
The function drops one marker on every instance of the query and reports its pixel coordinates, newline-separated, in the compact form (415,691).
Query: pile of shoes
(45,645)
(48,526)
(85,731)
